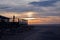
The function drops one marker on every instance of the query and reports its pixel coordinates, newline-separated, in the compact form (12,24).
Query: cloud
(45,3)
(15,2)
(4,7)
(40,10)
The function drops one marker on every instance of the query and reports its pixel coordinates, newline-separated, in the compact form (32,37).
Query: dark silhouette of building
(4,19)
(24,21)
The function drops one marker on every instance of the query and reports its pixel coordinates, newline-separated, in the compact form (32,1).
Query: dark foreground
(39,32)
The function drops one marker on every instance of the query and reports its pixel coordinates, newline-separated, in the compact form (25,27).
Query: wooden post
(13,18)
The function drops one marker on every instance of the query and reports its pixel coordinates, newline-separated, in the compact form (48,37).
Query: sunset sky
(35,11)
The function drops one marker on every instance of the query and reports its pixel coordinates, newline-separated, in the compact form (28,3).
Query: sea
(37,32)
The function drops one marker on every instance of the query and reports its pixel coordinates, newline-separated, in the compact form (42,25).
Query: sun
(30,14)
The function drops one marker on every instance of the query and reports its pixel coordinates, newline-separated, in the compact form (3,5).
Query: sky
(44,11)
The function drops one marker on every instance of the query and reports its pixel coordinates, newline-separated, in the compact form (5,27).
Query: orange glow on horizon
(44,21)
(33,18)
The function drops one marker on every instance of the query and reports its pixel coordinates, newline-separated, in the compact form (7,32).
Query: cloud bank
(42,7)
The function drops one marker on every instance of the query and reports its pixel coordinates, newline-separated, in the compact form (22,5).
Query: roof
(3,17)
